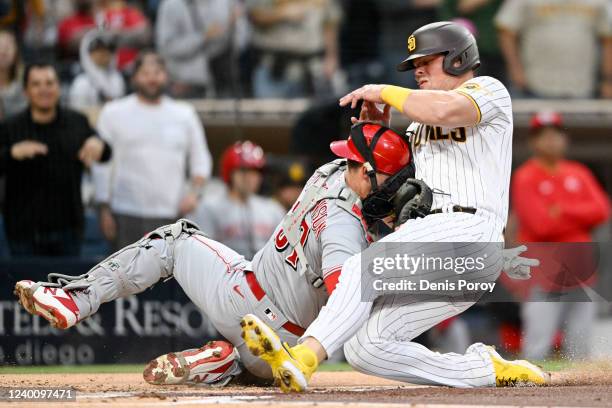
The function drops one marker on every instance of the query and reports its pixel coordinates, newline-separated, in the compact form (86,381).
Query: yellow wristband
(395,96)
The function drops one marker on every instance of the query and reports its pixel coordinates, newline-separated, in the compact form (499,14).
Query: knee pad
(173,231)
(169,234)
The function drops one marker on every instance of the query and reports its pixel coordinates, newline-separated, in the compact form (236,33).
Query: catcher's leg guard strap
(170,233)
(126,272)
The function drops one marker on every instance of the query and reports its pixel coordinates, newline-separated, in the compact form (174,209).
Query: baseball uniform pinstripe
(471,166)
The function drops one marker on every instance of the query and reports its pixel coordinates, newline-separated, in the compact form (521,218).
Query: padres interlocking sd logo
(411,43)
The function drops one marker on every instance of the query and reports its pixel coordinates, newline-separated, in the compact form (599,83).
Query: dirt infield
(589,386)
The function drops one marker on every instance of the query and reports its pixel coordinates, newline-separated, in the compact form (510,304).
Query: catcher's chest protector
(317,189)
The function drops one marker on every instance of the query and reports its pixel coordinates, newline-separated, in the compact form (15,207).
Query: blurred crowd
(146,164)
(71,188)
(297,48)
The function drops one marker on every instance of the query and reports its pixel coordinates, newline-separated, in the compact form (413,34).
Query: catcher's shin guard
(291,367)
(52,303)
(216,363)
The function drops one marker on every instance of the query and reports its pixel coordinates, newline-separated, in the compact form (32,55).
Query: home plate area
(589,386)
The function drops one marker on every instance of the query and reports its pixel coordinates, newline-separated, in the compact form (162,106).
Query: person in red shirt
(557,200)
(74,27)
(130,26)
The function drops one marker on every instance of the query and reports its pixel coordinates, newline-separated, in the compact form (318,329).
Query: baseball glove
(413,200)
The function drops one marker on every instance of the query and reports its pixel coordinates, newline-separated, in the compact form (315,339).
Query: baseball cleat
(52,303)
(291,367)
(214,363)
(516,372)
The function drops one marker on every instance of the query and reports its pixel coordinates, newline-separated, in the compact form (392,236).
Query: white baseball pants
(377,335)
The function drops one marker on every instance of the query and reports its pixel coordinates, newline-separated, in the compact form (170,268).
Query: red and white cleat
(215,363)
(54,304)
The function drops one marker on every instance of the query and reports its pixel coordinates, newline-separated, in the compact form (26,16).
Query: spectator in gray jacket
(199,40)
(100,81)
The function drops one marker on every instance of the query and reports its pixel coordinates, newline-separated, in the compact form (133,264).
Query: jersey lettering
(319,217)
(425,133)
(281,243)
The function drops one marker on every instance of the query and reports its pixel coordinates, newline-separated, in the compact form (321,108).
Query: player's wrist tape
(395,96)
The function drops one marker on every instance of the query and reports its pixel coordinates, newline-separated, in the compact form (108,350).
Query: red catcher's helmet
(241,155)
(391,151)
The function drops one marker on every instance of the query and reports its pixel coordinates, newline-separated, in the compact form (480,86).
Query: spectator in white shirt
(156,142)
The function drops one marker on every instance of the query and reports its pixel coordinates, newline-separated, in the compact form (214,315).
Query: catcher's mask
(387,152)
(379,203)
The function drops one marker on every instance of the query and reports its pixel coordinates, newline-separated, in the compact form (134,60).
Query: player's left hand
(516,266)
(370,93)
(412,200)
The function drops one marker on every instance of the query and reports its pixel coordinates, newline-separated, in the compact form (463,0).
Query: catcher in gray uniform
(287,282)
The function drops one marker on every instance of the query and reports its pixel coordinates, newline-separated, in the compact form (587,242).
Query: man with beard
(43,152)
(158,140)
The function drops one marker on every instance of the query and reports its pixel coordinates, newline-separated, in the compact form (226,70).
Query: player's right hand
(370,93)
(371,113)
(28,149)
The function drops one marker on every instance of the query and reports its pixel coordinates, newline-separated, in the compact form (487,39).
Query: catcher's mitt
(413,200)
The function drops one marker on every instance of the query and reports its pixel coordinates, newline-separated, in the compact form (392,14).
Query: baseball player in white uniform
(239,217)
(461,137)
(286,284)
